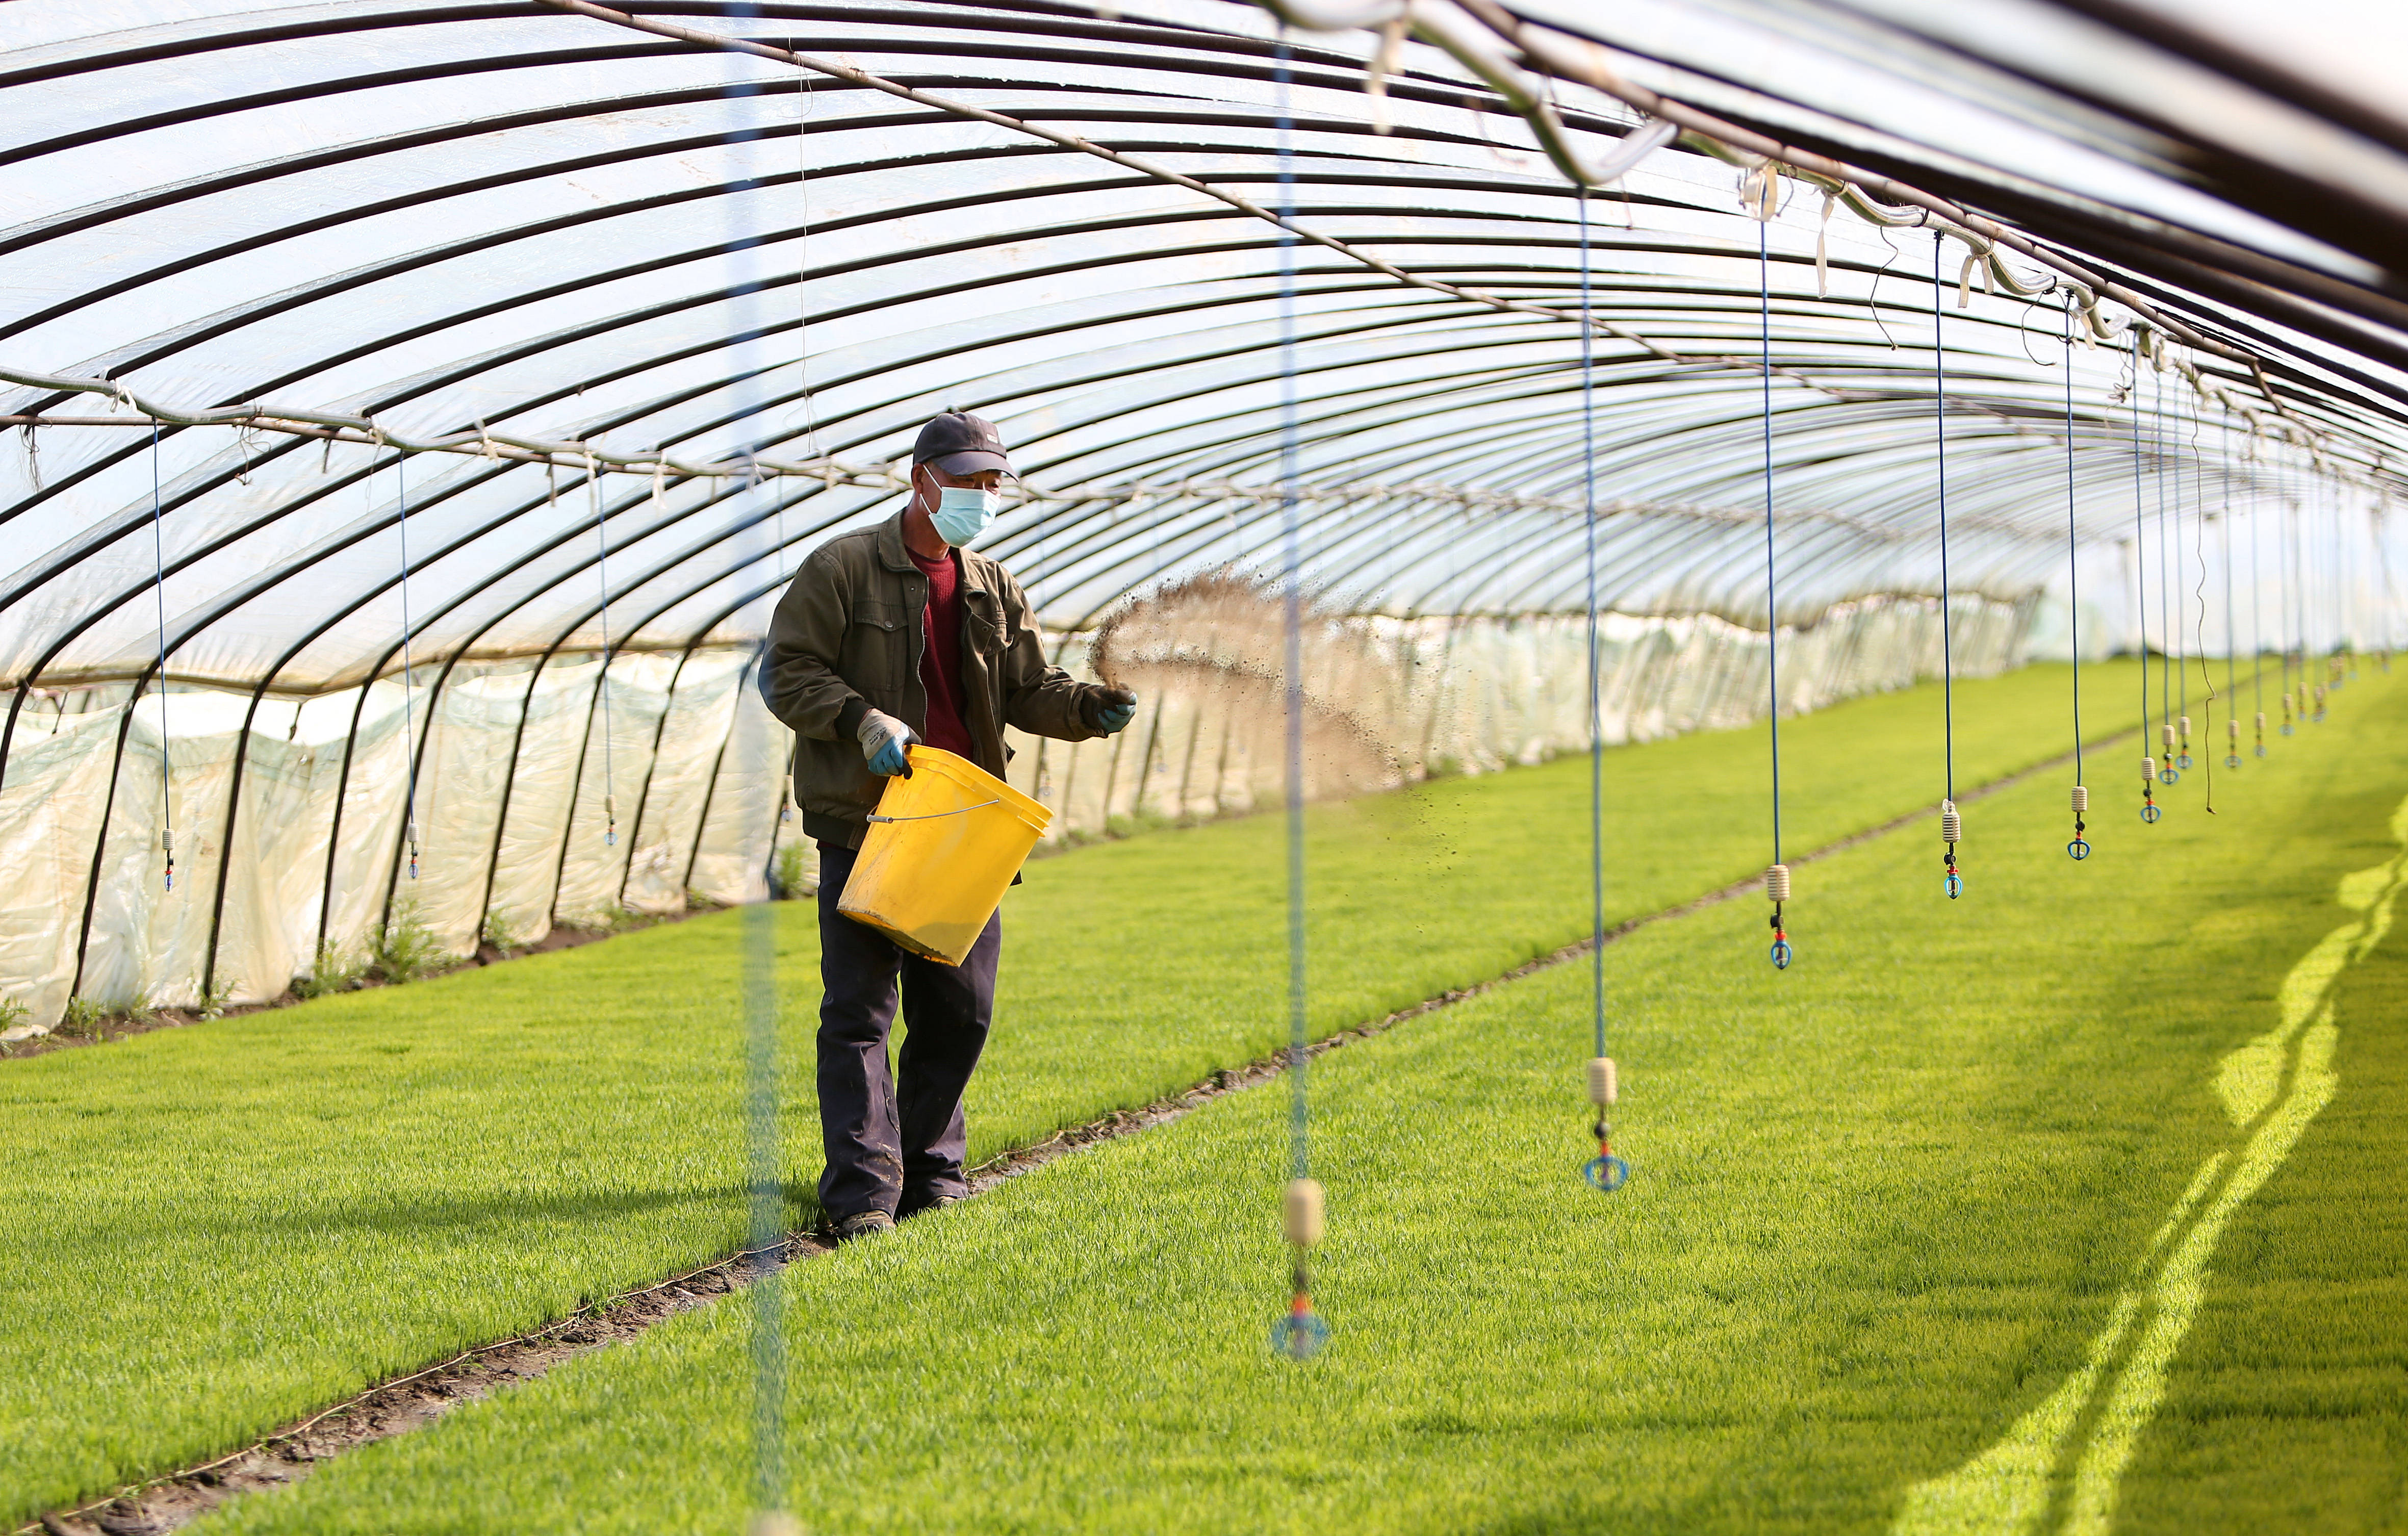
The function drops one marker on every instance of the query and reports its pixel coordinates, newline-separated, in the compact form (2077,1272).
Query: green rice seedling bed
(217,1230)
(1904,1248)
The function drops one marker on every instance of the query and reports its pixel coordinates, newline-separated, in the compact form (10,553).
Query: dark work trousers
(894,1136)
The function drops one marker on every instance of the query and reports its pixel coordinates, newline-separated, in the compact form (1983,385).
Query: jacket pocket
(874,650)
(984,634)
(983,623)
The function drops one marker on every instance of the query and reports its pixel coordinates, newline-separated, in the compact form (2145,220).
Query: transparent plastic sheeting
(696,766)
(438,216)
(529,233)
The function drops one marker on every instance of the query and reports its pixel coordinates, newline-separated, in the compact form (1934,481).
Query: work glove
(1109,709)
(882,740)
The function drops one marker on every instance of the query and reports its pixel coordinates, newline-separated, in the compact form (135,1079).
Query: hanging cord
(2170,467)
(2299,592)
(1952,823)
(2232,631)
(2327,591)
(1776,879)
(1605,1171)
(602,570)
(2198,621)
(2284,515)
(409,695)
(159,587)
(1302,1332)
(806,104)
(2377,516)
(2168,772)
(2258,607)
(2079,848)
(2149,811)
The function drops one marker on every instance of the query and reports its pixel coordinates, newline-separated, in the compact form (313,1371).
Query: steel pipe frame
(37,675)
(1180,39)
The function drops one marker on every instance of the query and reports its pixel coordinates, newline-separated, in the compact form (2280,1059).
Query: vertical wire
(408,698)
(2299,591)
(1772,598)
(1940,442)
(2258,608)
(2286,482)
(602,570)
(1596,703)
(2224,497)
(2172,469)
(2198,593)
(159,586)
(2231,634)
(2378,518)
(2166,567)
(2072,551)
(1292,637)
(802,274)
(2140,555)
(766,1215)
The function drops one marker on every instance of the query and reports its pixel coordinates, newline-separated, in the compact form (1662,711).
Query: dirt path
(408,1403)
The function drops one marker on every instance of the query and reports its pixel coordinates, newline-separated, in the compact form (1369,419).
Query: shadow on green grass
(2299,1355)
(2099,1426)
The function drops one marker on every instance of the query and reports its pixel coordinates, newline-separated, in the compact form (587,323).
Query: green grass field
(235,1224)
(1908,1246)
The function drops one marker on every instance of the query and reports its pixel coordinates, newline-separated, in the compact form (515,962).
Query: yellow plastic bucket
(942,847)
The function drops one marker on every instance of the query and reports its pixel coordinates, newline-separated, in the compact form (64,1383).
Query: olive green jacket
(847,638)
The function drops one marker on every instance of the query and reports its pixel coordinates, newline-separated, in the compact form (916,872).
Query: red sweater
(941,658)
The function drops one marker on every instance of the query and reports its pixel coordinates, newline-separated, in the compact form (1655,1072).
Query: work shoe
(934,1202)
(862,1224)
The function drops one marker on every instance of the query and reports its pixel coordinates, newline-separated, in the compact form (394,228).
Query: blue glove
(882,740)
(1111,711)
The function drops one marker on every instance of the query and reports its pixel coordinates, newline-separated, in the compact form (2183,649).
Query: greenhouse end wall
(536,796)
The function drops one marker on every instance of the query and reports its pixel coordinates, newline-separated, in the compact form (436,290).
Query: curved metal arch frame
(142,683)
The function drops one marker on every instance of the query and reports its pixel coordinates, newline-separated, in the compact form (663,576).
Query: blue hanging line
(2285,561)
(2170,481)
(602,570)
(2079,848)
(2300,581)
(1301,1331)
(408,698)
(2149,811)
(1596,703)
(1777,882)
(2231,626)
(2196,407)
(1955,884)
(2258,608)
(2168,774)
(1605,1171)
(159,586)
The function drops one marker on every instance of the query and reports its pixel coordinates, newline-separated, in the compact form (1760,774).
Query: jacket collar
(891,551)
(890,543)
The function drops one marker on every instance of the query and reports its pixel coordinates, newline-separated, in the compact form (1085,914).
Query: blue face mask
(963,513)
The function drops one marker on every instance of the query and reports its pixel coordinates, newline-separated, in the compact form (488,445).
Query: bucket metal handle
(935,815)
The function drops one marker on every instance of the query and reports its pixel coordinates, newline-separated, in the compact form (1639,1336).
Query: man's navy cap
(960,443)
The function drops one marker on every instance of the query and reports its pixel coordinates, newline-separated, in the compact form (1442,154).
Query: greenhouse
(1449,505)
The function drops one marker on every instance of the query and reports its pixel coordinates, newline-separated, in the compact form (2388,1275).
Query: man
(887,636)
